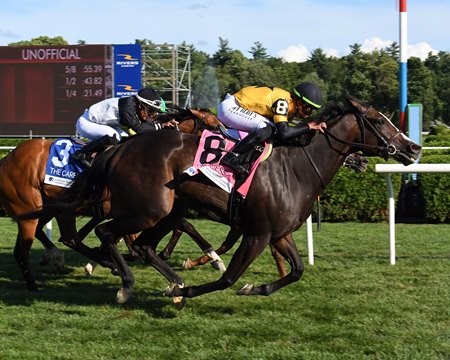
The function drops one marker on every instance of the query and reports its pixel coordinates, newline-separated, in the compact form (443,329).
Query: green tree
(357,81)
(421,90)
(394,51)
(383,72)
(440,66)
(258,51)
(144,42)
(42,40)
(259,73)
(222,56)
(330,70)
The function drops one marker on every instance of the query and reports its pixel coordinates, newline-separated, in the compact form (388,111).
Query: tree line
(371,77)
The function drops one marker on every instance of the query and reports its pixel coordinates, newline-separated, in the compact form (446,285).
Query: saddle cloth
(212,147)
(61,168)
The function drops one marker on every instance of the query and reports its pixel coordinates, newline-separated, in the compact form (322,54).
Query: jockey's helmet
(310,94)
(151,99)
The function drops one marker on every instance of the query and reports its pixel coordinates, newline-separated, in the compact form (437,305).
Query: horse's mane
(332,111)
(178,113)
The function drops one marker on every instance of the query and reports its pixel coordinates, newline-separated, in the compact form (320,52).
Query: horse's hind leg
(279,260)
(168,249)
(22,249)
(148,240)
(287,248)
(184,226)
(249,249)
(232,237)
(205,246)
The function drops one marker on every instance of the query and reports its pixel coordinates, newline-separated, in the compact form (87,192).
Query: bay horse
(150,194)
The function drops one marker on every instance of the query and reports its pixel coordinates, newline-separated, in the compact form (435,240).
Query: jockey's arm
(128,116)
(286,132)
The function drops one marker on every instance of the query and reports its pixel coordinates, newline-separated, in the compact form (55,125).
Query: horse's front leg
(287,248)
(108,237)
(22,249)
(52,253)
(249,249)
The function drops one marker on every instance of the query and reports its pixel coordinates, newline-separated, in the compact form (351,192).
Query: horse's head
(191,121)
(207,117)
(379,136)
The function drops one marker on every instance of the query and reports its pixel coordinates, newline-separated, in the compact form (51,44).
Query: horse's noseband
(392,150)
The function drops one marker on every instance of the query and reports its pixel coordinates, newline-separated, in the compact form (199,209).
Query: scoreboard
(44,89)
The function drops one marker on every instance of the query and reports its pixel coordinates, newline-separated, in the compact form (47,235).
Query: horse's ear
(355,103)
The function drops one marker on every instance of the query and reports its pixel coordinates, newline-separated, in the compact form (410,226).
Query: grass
(351,304)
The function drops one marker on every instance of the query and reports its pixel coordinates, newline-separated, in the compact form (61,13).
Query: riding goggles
(155,104)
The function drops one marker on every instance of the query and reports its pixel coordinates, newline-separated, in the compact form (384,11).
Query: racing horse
(354,161)
(22,189)
(279,200)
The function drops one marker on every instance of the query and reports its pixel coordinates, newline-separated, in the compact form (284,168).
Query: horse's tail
(52,208)
(89,185)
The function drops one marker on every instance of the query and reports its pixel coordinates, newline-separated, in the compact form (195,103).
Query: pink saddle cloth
(212,147)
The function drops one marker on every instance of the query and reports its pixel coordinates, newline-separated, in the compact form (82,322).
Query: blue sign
(127,70)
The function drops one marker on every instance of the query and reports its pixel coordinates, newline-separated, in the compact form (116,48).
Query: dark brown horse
(354,161)
(280,198)
(22,189)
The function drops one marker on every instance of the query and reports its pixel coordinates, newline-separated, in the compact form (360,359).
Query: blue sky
(286,28)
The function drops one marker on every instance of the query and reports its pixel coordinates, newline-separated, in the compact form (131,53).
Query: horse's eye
(379,122)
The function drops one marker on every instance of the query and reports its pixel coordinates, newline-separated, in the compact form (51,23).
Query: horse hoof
(115,272)
(179,302)
(219,265)
(246,290)
(45,259)
(89,269)
(123,295)
(168,290)
(33,288)
(187,264)
(58,259)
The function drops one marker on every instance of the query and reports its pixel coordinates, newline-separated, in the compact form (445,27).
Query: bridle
(386,150)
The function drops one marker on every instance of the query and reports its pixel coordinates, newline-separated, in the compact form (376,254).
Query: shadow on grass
(70,288)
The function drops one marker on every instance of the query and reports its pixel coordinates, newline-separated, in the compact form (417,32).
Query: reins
(387,149)
(322,183)
(200,122)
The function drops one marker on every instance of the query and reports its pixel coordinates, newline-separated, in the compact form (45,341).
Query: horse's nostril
(415,149)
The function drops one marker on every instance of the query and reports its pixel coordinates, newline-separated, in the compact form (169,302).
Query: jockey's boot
(234,158)
(84,155)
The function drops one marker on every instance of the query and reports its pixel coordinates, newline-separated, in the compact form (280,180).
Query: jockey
(106,122)
(262,111)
